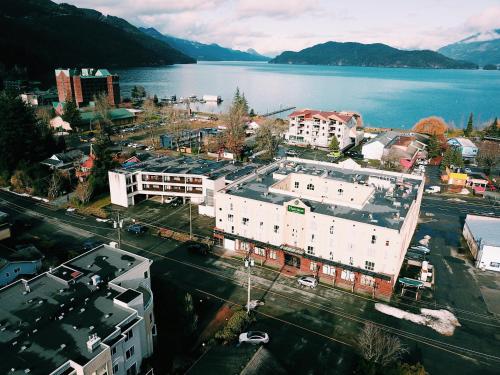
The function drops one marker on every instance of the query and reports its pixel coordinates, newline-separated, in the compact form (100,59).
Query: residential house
(374,148)
(483,237)
(468,149)
(4,226)
(24,261)
(58,124)
(64,160)
(317,128)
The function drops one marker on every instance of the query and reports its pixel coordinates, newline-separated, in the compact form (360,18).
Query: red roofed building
(317,128)
(85,167)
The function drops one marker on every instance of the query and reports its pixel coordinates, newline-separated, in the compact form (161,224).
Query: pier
(277,111)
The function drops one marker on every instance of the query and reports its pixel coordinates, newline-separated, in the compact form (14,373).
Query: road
(311,329)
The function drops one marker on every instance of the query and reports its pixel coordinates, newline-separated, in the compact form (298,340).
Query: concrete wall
(118,189)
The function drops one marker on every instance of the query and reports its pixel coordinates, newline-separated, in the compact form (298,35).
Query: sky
(272,26)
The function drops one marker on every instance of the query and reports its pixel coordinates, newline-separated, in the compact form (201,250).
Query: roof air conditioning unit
(93,342)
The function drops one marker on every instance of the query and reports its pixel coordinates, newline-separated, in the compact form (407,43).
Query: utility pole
(118,224)
(190,221)
(249,262)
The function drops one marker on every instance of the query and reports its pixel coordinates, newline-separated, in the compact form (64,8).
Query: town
(139,236)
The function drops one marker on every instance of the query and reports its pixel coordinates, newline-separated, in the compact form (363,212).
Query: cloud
(486,20)
(277,8)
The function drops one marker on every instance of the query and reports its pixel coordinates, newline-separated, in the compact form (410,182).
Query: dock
(278,111)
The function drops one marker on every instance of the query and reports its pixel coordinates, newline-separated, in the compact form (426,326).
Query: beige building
(343,223)
(92,315)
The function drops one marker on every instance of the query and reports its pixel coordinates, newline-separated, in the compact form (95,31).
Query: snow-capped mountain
(481,48)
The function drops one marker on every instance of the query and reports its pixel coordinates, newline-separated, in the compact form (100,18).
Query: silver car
(254,337)
(309,281)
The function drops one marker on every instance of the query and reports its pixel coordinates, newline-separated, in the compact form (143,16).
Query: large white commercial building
(317,128)
(92,315)
(190,178)
(482,234)
(343,223)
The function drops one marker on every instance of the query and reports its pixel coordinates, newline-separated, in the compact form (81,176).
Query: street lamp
(249,263)
(118,224)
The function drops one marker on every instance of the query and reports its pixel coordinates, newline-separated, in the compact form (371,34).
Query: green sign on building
(297,210)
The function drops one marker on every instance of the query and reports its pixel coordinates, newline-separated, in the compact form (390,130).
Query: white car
(309,281)
(421,249)
(433,189)
(468,170)
(254,337)
(255,303)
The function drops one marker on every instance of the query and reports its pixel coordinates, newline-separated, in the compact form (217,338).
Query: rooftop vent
(96,280)
(93,342)
(63,346)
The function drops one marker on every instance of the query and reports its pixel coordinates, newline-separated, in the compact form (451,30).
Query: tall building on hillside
(346,225)
(317,128)
(82,85)
(92,315)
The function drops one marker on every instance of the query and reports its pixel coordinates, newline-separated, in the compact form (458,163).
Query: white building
(92,315)
(482,234)
(192,179)
(374,148)
(466,146)
(343,223)
(317,128)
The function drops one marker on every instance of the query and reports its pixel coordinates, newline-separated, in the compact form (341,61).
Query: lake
(386,97)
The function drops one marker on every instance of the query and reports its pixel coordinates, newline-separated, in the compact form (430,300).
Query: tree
(176,123)
(189,315)
(488,159)
(234,135)
(155,99)
(251,113)
(138,92)
(84,191)
(493,130)
(71,113)
(452,157)
(334,144)
(433,147)
(431,125)
(55,184)
(61,144)
(267,140)
(470,127)
(103,163)
(102,110)
(375,346)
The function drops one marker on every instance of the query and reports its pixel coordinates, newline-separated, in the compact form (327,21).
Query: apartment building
(82,85)
(92,315)
(163,178)
(317,128)
(347,225)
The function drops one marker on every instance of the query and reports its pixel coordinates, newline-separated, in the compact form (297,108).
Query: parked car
(420,249)
(255,303)
(467,170)
(197,247)
(254,337)
(354,154)
(309,281)
(91,244)
(292,153)
(433,189)
(137,229)
(176,202)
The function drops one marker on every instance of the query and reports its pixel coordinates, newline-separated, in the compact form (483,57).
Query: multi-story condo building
(317,128)
(192,179)
(347,225)
(82,85)
(92,315)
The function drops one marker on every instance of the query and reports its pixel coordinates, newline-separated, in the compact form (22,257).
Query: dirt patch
(219,320)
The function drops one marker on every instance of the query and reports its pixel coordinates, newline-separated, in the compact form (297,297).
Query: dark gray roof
(385,138)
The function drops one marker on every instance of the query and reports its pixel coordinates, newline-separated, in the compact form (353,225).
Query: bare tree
(176,123)
(84,191)
(267,139)
(102,110)
(55,184)
(378,347)
(234,135)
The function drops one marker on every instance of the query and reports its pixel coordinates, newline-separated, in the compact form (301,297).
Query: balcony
(195,191)
(194,181)
(175,179)
(152,178)
(175,189)
(152,188)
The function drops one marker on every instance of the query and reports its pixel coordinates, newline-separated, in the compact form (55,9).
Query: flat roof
(380,210)
(190,165)
(484,229)
(44,328)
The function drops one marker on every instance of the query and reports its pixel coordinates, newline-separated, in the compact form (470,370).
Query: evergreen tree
(334,144)
(155,99)
(237,96)
(470,127)
(71,113)
(493,130)
(251,113)
(133,93)
(433,147)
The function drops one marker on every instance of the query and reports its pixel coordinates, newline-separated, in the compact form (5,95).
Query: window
(310,187)
(367,280)
(115,369)
(245,220)
(351,261)
(232,229)
(495,264)
(347,275)
(276,228)
(310,250)
(340,191)
(260,251)
(230,206)
(328,270)
(129,335)
(129,353)
(230,218)
(273,254)
(313,266)
(296,184)
(113,352)
(146,274)
(17,270)
(331,229)
(374,239)
(331,255)
(132,370)
(369,265)
(386,243)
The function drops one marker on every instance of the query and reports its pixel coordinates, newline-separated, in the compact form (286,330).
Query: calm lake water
(386,97)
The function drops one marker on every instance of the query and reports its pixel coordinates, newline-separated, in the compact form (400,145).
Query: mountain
(206,52)
(42,35)
(373,55)
(481,48)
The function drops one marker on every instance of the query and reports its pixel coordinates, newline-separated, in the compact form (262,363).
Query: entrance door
(292,261)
